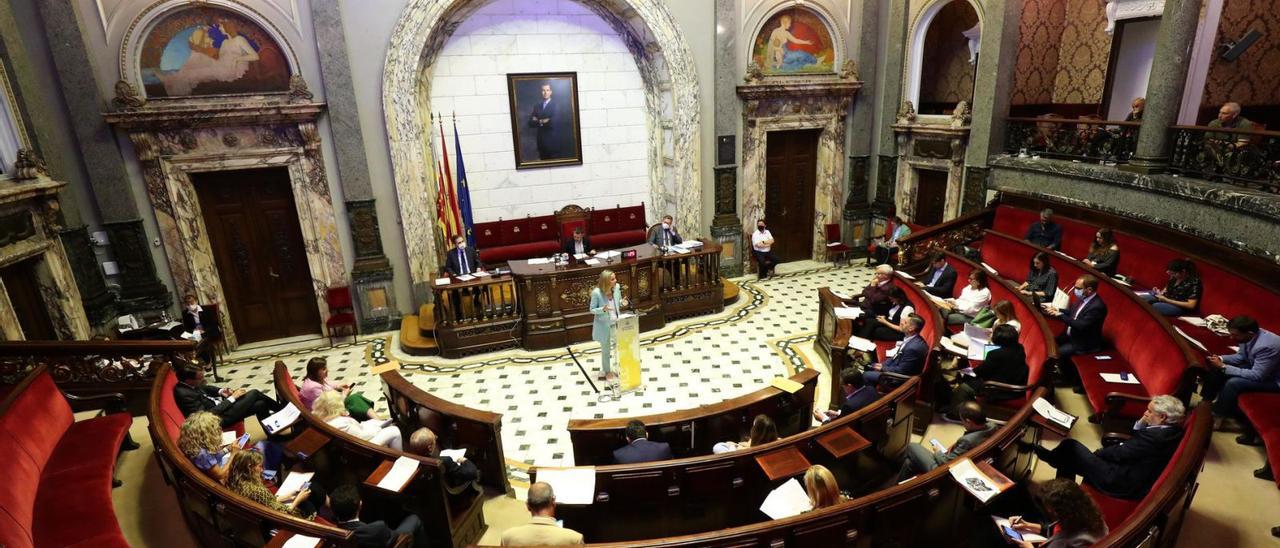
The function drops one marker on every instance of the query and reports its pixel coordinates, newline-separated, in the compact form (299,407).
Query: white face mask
(666,226)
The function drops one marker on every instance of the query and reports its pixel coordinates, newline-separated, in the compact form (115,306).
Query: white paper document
(456,454)
(608,254)
(1194,320)
(399,474)
(848,312)
(540,260)
(302,541)
(229,438)
(1115,378)
(891,352)
(571,485)
(1234,348)
(1048,411)
(439,281)
(481,273)
(591,262)
(833,244)
(281,419)
(1061,300)
(977,335)
(952,347)
(293,482)
(979,352)
(786,501)
(1190,339)
(466,278)
(580,256)
(859,343)
(973,480)
(1001,523)
(990,269)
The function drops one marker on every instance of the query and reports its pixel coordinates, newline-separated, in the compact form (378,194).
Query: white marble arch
(915,52)
(671,84)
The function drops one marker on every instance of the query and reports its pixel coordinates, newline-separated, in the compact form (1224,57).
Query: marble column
(726,225)
(890,90)
(993,82)
(1164,88)
(140,288)
(857,206)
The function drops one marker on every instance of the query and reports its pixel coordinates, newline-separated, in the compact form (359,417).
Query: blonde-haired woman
(329,407)
(200,439)
(606,300)
(820,484)
(245,478)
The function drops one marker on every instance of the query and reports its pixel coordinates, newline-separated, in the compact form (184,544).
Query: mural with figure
(210,51)
(794,41)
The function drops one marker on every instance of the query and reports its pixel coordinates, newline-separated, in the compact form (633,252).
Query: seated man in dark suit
(977,429)
(423,442)
(856,396)
(231,406)
(202,323)
(1045,233)
(460,261)
(909,356)
(639,448)
(1128,469)
(345,503)
(940,279)
(666,234)
(579,244)
(874,299)
(1084,327)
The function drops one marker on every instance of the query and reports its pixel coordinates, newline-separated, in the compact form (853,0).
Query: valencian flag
(454,218)
(444,218)
(464,191)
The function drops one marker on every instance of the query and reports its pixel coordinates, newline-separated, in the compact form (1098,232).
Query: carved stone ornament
(231,140)
(28,165)
(849,71)
(298,92)
(961,116)
(907,113)
(754,74)
(127,96)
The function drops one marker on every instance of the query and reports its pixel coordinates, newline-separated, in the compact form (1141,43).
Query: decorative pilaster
(886,181)
(1164,88)
(727,227)
(140,289)
(975,189)
(371,277)
(99,303)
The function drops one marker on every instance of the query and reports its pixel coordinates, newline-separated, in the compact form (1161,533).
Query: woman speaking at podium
(606,300)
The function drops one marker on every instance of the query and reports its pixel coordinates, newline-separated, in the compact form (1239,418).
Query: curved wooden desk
(692,432)
(682,496)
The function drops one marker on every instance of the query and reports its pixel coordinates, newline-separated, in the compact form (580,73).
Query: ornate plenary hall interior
(677,273)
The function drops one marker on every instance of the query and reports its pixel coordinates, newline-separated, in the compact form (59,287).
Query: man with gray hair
(1128,469)
(1218,143)
(1045,233)
(542,529)
(456,473)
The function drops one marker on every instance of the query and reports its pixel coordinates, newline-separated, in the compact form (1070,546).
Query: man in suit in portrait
(1084,327)
(977,429)
(639,448)
(1128,469)
(345,503)
(856,395)
(192,394)
(910,354)
(542,529)
(543,119)
(940,279)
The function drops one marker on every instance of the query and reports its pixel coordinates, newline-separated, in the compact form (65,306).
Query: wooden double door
(22,285)
(257,244)
(791,170)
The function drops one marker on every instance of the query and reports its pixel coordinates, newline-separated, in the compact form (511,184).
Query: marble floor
(767,333)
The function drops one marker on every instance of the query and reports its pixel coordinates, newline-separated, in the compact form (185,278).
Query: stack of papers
(293,483)
(442,281)
(692,244)
(1194,320)
(302,541)
(591,262)
(480,273)
(1115,378)
(982,483)
(1048,411)
(571,485)
(848,312)
(281,419)
(788,500)
(859,343)
(399,474)
(608,254)
(466,278)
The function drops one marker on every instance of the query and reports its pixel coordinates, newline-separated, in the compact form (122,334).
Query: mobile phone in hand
(1012,533)
(938,445)
(243,441)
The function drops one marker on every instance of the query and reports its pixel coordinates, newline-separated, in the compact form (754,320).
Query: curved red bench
(1263,411)
(57,472)
(1143,341)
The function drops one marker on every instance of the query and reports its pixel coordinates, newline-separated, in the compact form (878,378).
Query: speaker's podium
(626,340)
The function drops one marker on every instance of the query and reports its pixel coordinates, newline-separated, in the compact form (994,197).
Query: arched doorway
(944,39)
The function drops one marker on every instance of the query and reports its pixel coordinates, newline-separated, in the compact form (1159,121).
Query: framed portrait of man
(544,119)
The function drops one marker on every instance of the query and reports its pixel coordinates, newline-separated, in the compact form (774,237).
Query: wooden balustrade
(1249,158)
(87,368)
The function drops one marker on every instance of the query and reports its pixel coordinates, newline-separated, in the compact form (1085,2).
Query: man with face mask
(666,234)
(1084,327)
(461,261)
(761,244)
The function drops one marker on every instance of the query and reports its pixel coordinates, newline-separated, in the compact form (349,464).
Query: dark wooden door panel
(22,286)
(931,196)
(791,162)
(257,244)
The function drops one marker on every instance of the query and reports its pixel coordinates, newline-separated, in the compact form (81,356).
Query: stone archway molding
(915,47)
(671,96)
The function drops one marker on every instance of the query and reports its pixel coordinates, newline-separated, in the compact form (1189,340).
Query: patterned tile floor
(702,360)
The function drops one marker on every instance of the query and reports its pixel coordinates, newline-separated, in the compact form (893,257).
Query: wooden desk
(541,306)
(381,472)
(283,537)
(843,441)
(783,463)
(308,443)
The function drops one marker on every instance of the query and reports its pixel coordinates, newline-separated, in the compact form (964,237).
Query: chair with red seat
(342,316)
(836,249)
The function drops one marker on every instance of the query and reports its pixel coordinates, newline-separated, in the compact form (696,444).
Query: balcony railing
(1085,139)
(1245,158)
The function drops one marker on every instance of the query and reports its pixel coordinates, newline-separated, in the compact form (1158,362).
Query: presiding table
(538,305)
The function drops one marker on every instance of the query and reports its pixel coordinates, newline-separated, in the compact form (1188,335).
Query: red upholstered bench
(57,472)
(1263,411)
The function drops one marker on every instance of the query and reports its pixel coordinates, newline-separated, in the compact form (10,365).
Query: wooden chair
(836,249)
(342,317)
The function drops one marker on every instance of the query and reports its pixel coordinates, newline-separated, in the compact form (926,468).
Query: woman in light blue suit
(606,300)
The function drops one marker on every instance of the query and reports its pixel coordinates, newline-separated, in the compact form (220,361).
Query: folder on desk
(787,385)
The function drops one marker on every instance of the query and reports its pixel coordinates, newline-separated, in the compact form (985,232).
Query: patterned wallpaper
(1083,53)
(1037,69)
(948,76)
(1242,80)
